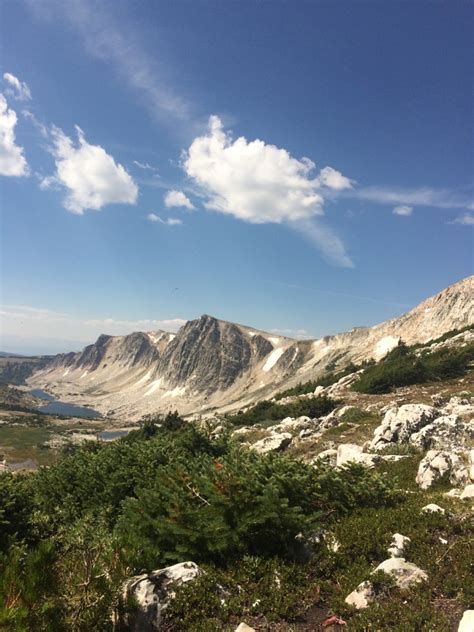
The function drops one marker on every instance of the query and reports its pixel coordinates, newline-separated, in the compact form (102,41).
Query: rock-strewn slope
(212,364)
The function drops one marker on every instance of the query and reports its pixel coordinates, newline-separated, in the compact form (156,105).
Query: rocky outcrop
(276,442)
(399,424)
(152,593)
(438,463)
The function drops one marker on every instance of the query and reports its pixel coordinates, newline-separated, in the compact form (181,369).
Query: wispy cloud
(425,196)
(169,221)
(356,297)
(104,38)
(22,321)
(17,89)
(465,220)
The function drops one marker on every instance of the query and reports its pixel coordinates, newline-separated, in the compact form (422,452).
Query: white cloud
(437,198)
(18,89)
(260,183)
(178,198)
(331,247)
(12,160)
(466,220)
(334,179)
(252,181)
(31,324)
(403,210)
(145,166)
(169,221)
(90,175)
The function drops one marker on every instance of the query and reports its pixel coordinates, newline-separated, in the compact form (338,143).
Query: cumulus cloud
(261,183)
(465,220)
(12,160)
(333,179)
(90,175)
(169,221)
(403,210)
(178,198)
(18,89)
(251,180)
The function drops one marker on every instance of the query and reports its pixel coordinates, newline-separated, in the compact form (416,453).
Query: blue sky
(303,167)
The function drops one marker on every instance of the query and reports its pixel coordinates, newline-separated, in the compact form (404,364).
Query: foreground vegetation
(72,533)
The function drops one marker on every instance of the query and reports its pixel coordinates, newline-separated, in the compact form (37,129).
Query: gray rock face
(210,355)
(153,592)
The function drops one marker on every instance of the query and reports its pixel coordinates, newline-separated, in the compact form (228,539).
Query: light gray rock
(362,596)
(153,592)
(405,573)
(351,453)
(243,627)
(326,456)
(436,464)
(399,424)
(467,493)
(276,442)
(398,545)
(433,508)
(445,432)
(467,622)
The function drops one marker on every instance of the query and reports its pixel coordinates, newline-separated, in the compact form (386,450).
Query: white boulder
(467,622)
(351,453)
(362,596)
(398,544)
(405,573)
(467,493)
(152,593)
(243,627)
(433,508)
(276,442)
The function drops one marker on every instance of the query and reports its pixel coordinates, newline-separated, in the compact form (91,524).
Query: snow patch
(384,345)
(171,337)
(274,340)
(176,392)
(154,385)
(252,333)
(145,378)
(272,359)
(84,374)
(65,372)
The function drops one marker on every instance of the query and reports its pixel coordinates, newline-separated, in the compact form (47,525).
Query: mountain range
(211,364)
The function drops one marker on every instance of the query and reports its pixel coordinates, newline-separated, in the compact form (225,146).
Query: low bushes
(271,411)
(403,367)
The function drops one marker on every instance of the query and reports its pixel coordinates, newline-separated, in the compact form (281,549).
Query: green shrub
(403,367)
(266,411)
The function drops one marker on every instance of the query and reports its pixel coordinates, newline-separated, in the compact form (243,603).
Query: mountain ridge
(212,364)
